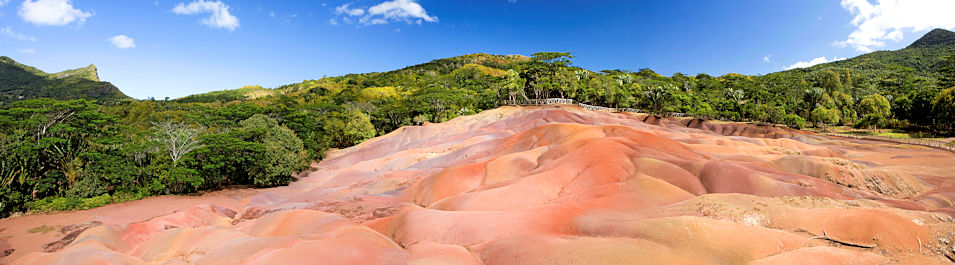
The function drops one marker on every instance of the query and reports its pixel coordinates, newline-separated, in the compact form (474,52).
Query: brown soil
(545,185)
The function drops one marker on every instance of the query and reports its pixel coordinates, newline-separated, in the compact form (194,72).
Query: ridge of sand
(545,185)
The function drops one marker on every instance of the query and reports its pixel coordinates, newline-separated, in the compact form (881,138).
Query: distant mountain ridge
(914,67)
(921,60)
(489,63)
(936,37)
(19,82)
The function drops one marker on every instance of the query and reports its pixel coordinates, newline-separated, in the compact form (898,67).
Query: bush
(794,121)
(871,120)
(181,180)
(348,128)
(88,185)
(260,152)
(11,201)
(284,153)
(51,204)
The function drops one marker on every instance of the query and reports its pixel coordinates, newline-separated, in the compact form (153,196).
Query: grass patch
(54,204)
(43,229)
(894,133)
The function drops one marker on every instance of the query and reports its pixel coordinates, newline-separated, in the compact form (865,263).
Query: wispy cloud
(407,11)
(767,58)
(4,2)
(8,31)
(346,10)
(219,16)
(52,12)
(890,19)
(815,61)
(122,42)
(27,51)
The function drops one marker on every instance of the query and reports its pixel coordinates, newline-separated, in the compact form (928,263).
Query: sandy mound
(545,185)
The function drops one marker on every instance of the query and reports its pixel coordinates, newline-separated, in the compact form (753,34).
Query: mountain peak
(88,73)
(934,38)
(21,82)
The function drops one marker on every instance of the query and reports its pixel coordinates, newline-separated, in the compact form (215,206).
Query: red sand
(547,185)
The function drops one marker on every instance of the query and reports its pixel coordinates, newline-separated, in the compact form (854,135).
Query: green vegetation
(43,229)
(21,82)
(894,133)
(243,93)
(79,153)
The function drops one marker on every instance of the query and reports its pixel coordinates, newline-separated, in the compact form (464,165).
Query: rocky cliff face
(88,73)
(553,185)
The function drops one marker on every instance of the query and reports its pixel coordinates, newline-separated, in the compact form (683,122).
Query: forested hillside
(85,153)
(21,82)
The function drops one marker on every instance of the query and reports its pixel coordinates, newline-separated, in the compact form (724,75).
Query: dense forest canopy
(70,141)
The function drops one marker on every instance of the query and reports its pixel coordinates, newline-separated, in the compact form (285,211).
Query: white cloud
(52,12)
(8,31)
(219,13)
(122,42)
(889,19)
(400,10)
(4,2)
(343,9)
(27,50)
(767,58)
(512,1)
(333,21)
(819,60)
(407,11)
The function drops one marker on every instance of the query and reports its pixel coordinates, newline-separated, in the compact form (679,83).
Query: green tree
(658,96)
(794,121)
(348,128)
(944,107)
(824,117)
(284,153)
(947,71)
(260,152)
(876,110)
(223,159)
(736,96)
(875,104)
(540,71)
(831,81)
(514,86)
(922,110)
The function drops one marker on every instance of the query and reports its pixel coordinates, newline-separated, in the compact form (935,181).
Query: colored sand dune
(545,185)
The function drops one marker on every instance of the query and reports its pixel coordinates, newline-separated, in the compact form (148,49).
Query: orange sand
(547,185)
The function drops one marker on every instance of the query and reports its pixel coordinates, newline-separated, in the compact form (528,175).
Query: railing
(912,141)
(564,101)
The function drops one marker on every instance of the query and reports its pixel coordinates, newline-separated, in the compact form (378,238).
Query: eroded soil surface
(544,185)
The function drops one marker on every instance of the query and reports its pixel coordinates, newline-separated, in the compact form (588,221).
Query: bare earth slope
(546,185)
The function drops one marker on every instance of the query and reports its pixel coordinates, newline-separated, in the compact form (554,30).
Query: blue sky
(175,48)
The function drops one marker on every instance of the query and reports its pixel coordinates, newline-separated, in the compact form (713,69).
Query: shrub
(794,121)
(284,153)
